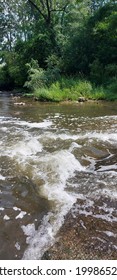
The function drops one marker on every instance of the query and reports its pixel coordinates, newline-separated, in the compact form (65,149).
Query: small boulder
(82,99)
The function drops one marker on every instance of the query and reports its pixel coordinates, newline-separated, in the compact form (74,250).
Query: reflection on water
(50,156)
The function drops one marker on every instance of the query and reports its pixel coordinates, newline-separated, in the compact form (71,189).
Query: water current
(50,156)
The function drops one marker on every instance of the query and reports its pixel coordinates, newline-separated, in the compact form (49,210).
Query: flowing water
(50,156)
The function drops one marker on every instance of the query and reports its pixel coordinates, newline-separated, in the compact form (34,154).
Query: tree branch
(61,9)
(48,10)
(37,8)
(42,3)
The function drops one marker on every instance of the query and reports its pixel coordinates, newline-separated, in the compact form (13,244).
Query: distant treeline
(43,42)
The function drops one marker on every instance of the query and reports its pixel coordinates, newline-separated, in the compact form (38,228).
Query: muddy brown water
(50,156)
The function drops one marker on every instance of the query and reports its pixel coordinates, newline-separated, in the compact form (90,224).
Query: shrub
(53,69)
(83,88)
(111,74)
(99,93)
(96,72)
(36,76)
(112,90)
(42,94)
(5,80)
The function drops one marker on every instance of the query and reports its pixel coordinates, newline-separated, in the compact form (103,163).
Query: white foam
(110,234)
(108,168)
(105,192)
(16,208)
(6,217)
(44,124)
(29,231)
(25,148)
(4,129)
(105,212)
(110,137)
(63,136)
(100,136)
(17,246)
(2,178)
(73,146)
(21,215)
(113,117)
(1,209)
(59,167)
(40,240)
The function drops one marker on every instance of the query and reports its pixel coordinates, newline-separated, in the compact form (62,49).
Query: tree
(48,8)
(80,34)
(104,42)
(93,45)
(14,22)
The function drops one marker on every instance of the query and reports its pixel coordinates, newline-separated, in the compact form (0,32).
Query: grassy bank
(73,89)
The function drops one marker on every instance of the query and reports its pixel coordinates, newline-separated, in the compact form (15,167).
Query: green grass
(71,89)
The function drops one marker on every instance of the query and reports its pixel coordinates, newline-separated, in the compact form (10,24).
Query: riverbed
(52,155)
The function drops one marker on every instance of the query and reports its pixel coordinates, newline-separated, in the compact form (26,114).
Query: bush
(2,76)
(6,83)
(53,69)
(97,72)
(64,90)
(83,88)
(113,87)
(44,94)
(112,91)
(36,76)
(99,93)
(111,73)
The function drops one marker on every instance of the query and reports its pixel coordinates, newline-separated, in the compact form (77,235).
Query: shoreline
(81,100)
(29,96)
(83,236)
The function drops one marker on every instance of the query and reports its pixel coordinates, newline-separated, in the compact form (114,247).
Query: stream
(52,154)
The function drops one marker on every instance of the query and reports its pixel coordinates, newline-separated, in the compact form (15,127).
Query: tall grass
(71,89)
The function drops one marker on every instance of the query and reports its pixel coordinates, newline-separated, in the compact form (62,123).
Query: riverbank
(74,89)
(69,90)
(86,233)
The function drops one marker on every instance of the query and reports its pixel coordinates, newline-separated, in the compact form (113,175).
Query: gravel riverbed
(84,236)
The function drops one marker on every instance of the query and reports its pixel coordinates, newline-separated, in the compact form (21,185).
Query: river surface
(50,156)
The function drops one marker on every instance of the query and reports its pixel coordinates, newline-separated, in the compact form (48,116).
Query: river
(50,156)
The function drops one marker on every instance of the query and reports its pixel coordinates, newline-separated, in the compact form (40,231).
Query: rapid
(50,156)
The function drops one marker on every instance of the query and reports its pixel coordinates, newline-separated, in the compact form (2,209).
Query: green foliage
(71,89)
(3,77)
(53,94)
(14,69)
(99,93)
(82,88)
(112,88)
(36,76)
(53,69)
(96,72)
(65,89)
(57,38)
(111,73)
(92,46)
